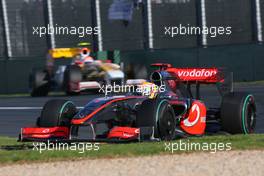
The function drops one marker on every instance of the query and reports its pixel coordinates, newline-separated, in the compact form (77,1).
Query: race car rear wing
(219,76)
(201,75)
(57,53)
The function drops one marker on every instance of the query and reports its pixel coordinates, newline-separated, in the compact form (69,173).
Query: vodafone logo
(197,73)
(195,122)
(196,108)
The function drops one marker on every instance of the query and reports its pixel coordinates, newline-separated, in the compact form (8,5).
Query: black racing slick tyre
(57,113)
(238,113)
(39,83)
(160,114)
(72,75)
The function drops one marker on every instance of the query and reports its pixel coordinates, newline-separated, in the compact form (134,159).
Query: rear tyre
(39,83)
(238,113)
(159,114)
(57,113)
(72,77)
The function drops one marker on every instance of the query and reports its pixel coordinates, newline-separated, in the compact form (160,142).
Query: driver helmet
(149,89)
(85,55)
(85,52)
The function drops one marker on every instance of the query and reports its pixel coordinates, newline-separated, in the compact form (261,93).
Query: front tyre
(238,113)
(57,113)
(166,120)
(160,114)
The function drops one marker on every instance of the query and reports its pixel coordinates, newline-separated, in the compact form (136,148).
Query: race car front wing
(64,134)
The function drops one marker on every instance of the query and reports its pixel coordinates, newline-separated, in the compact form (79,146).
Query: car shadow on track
(16,147)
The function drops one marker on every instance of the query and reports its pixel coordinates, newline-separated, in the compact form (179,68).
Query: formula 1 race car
(83,73)
(165,113)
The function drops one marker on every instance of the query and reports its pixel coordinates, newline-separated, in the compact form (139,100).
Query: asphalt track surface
(18,112)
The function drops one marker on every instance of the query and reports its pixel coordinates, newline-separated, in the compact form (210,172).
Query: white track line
(24,108)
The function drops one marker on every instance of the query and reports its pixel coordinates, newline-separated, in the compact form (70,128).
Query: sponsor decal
(197,73)
(46,130)
(128,135)
(196,108)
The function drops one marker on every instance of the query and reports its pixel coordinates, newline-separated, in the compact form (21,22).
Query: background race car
(83,73)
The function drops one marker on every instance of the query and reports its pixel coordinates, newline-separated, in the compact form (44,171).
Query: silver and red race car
(165,113)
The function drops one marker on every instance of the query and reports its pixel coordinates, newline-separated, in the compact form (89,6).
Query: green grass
(16,152)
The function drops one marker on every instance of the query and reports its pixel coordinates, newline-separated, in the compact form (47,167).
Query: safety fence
(29,27)
(219,33)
